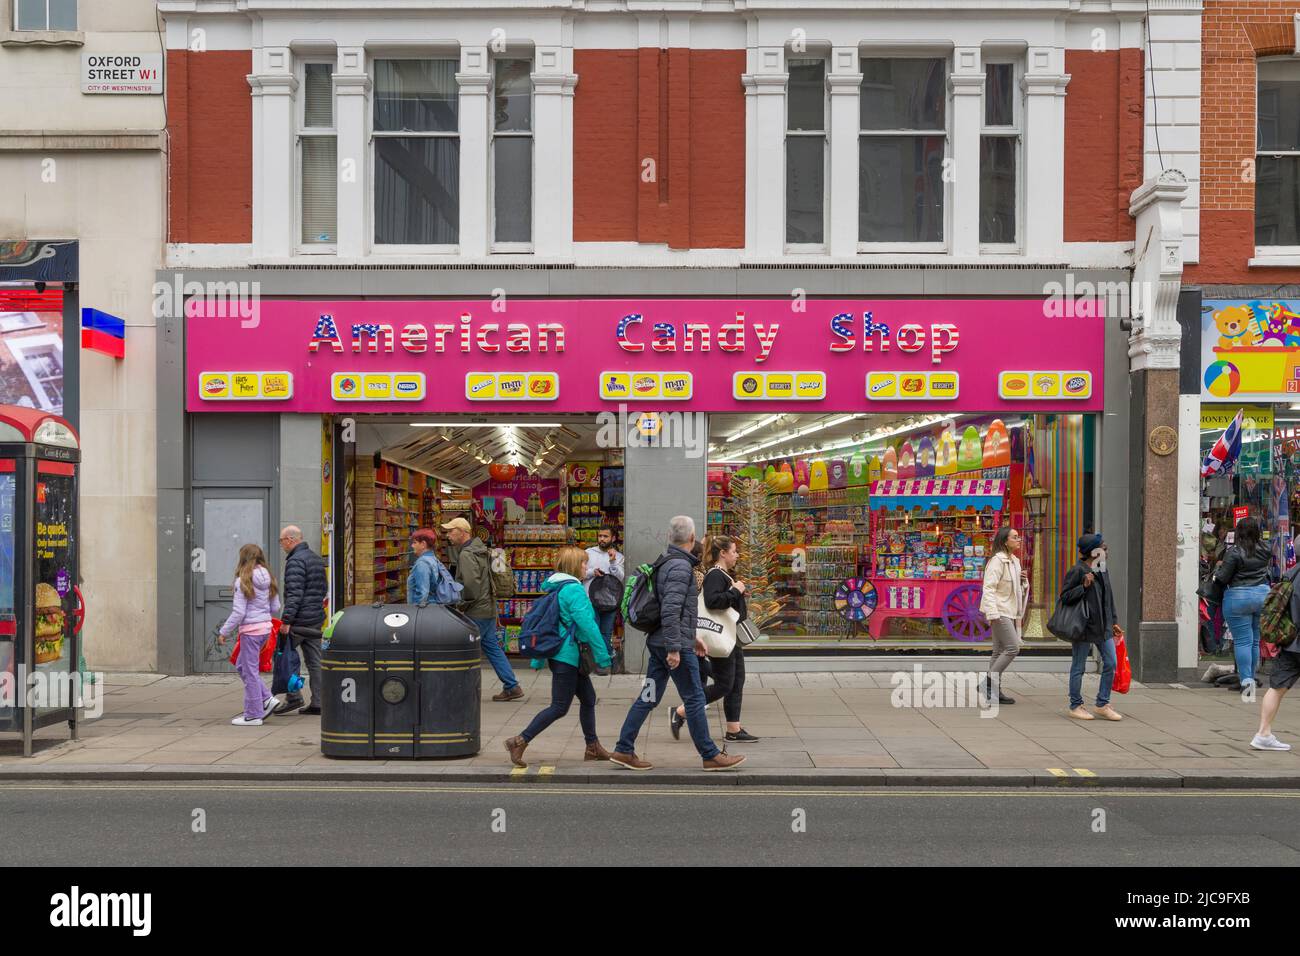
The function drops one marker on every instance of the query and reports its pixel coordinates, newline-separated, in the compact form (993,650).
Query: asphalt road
(325,824)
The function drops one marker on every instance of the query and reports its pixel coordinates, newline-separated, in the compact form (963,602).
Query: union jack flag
(1221,458)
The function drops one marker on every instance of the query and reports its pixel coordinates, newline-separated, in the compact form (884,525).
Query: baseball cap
(457,524)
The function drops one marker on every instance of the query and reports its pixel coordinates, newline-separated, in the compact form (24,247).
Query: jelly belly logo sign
(1250,348)
(718,355)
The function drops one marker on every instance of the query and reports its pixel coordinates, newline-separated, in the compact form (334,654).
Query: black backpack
(606,593)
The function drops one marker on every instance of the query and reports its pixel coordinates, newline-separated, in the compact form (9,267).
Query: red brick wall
(1233,34)
(210,122)
(1103,143)
(683,109)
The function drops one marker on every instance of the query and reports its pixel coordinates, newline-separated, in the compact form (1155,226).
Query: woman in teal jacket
(577,623)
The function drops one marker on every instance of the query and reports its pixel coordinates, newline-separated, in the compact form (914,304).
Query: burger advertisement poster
(54,554)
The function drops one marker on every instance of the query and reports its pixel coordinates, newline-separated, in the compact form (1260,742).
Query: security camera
(40,288)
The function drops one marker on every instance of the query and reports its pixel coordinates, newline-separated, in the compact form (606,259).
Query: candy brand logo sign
(466,335)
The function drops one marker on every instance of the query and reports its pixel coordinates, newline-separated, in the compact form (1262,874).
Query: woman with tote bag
(722,605)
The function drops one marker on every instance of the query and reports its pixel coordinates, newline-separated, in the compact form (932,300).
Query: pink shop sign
(585,355)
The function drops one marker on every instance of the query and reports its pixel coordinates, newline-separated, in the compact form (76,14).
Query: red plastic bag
(267,660)
(1123,670)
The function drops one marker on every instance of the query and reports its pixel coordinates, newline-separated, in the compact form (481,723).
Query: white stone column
(967,85)
(1157,271)
(766,87)
(275,194)
(352,121)
(844,85)
(1044,84)
(552,154)
(475,84)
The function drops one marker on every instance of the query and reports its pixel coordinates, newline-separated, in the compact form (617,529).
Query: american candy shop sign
(582,355)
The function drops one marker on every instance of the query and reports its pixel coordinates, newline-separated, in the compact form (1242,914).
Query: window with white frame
(512,153)
(1000,156)
(417,152)
(1277,155)
(45,14)
(318,156)
(41,359)
(902,144)
(805,153)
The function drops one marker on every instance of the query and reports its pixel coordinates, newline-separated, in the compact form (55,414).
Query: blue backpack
(539,632)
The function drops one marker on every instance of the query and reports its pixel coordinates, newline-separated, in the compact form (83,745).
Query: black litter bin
(401,680)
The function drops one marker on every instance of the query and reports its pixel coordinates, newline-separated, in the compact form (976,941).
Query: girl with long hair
(257,601)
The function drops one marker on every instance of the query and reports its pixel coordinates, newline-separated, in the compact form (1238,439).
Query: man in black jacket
(672,648)
(305,590)
(1089,582)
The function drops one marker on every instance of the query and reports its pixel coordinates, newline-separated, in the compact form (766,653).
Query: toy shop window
(1277,157)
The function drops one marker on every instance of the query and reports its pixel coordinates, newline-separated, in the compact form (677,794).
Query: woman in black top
(1244,575)
(722,591)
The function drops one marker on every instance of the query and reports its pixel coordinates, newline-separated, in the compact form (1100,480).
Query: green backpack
(1275,624)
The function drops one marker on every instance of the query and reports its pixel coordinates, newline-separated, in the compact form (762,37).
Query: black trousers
(728,684)
(567,683)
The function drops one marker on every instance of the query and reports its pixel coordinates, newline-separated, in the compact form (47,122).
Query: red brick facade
(1234,34)
(659,147)
(1103,143)
(210,127)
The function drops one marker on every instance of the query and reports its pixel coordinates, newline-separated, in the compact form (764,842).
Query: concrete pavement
(816,728)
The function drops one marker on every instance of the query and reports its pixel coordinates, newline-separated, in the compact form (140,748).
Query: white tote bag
(717,629)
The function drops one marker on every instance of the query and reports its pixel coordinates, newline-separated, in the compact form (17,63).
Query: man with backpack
(305,590)
(474,572)
(672,646)
(1278,626)
(604,582)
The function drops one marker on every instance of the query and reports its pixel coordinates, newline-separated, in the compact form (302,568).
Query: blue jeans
(1079,660)
(496,655)
(567,683)
(605,621)
(1241,607)
(687,680)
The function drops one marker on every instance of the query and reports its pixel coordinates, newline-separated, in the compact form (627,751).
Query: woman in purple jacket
(256,603)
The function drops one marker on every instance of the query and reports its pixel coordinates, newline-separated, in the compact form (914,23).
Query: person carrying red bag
(1088,582)
(256,604)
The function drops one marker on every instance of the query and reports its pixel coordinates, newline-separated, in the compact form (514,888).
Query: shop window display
(1260,481)
(885,540)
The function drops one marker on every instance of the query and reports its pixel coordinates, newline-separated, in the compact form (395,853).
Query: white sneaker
(269,705)
(1268,743)
(240,721)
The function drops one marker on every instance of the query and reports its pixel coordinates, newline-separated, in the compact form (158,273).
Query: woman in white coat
(1003,603)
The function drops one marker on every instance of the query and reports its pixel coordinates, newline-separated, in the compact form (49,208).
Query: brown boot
(630,761)
(595,751)
(517,746)
(515,694)
(723,761)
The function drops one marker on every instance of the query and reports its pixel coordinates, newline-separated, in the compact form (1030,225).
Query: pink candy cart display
(930,538)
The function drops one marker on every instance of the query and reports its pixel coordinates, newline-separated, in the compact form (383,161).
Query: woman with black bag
(1087,594)
(583,653)
(1242,578)
(721,591)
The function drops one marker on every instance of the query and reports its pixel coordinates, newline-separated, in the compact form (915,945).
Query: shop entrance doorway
(225,519)
(527,486)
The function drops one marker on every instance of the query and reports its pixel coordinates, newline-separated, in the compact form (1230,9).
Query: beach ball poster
(1222,379)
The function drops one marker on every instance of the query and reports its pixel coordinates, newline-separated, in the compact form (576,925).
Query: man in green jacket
(473,564)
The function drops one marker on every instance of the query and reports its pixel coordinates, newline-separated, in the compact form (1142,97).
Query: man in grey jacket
(473,563)
(673,653)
